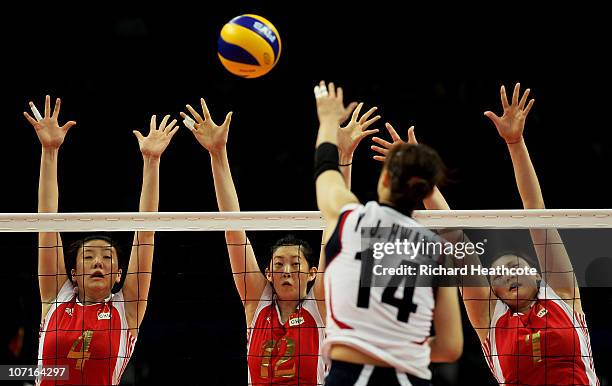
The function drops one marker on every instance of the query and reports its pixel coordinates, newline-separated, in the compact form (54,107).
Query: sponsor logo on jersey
(104,315)
(542,312)
(296,321)
(69,311)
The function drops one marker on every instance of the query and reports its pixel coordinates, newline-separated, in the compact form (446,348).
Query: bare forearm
(225,190)
(436,201)
(227,197)
(328,132)
(48,193)
(525,175)
(51,269)
(149,196)
(346,167)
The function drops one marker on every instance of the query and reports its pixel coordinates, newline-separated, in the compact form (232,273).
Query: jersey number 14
(404,305)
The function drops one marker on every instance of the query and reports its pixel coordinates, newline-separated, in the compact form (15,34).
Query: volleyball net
(194,327)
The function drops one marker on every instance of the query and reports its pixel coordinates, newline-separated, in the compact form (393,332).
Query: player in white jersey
(376,337)
(284,317)
(532,328)
(83,324)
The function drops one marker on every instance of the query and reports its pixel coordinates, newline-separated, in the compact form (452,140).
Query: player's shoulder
(351,207)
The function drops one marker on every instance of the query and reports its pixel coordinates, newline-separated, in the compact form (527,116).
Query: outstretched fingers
(138,135)
(228,119)
(493,117)
(320,90)
(32,121)
(528,108)
(162,125)
(195,114)
(173,131)
(340,94)
(367,133)
(35,112)
(188,121)
(351,107)
(369,122)
(47,106)
(205,109)
(56,110)
(392,132)
(331,87)
(367,114)
(411,137)
(382,142)
(153,124)
(356,112)
(504,97)
(68,125)
(515,94)
(521,105)
(379,149)
(168,129)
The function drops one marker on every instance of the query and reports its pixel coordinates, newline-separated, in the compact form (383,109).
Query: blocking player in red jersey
(285,320)
(379,335)
(532,328)
(85,326)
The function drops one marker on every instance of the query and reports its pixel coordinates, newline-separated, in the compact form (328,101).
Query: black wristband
(326,158)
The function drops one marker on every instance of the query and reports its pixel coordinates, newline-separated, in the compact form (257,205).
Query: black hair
(414,171)
(75,247)
(291,240)
(532,263)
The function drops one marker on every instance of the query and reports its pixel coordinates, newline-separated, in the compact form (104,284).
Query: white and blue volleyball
(249,46)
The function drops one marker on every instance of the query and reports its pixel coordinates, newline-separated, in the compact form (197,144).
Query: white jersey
(378,321)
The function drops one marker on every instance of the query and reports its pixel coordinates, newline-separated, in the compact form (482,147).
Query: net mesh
(194,329)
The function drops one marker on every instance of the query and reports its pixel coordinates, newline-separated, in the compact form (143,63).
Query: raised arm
(138,280)
(479,301)
(348,136)
(51,266)
(332,190)
(556,266)
(248,278)
(436,200)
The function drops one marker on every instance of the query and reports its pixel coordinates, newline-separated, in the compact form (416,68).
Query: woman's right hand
(511,124)
(210,135)
(384,147)
(50,134)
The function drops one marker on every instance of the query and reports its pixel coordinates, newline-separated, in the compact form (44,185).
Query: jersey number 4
(404,305)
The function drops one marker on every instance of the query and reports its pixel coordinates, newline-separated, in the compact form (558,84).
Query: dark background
(438,69)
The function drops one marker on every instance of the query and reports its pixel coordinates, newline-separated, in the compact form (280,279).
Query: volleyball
(249,46)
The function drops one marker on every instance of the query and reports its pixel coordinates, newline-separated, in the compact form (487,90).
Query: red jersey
(548,345)
(93,341)
(285,353)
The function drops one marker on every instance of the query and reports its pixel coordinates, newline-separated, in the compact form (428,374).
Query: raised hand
(330,103)
(210,135)
(154,144)
(355,130)
(384,147)
(50,134)
(511,124)
(348,110)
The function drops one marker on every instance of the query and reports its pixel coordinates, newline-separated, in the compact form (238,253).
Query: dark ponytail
(414,171)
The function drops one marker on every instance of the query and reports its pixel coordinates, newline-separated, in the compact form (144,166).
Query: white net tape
(300,220)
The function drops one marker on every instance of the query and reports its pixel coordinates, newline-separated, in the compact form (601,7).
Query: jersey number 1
(404,305)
